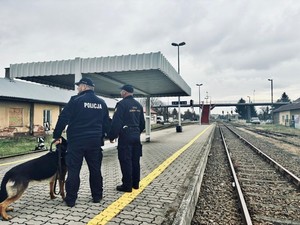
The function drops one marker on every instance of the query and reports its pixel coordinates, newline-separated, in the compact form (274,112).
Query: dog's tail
(3,192)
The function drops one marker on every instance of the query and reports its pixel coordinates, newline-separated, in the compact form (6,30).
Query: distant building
(30,109)
(153,115)
(288,115)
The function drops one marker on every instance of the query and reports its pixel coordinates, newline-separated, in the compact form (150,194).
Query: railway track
(291,139)
(262,194)
(218,201)
(286,154)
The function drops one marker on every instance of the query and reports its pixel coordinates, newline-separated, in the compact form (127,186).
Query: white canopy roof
(150,74)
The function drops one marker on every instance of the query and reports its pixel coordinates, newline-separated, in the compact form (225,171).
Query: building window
(47,119)
(15,117)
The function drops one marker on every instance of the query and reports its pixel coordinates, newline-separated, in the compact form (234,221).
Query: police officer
(127,124)
(87,118)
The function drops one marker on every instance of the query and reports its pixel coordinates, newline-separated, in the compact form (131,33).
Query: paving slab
(167,166)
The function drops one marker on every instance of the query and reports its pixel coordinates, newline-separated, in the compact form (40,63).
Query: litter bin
(178,128)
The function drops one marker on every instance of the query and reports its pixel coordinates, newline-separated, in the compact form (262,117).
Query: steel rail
(242,201)
(278,166)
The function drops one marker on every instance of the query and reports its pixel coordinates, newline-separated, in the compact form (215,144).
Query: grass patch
(280,129)
(20,145)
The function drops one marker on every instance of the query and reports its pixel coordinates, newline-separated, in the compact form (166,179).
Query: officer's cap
(127,87)
(86,81)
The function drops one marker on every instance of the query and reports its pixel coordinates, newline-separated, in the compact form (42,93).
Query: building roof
(150,74)
(289,107)
(297,100)
(32,92)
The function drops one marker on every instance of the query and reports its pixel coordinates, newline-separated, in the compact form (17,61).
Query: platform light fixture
(178,127)
(271,80)
(199,85)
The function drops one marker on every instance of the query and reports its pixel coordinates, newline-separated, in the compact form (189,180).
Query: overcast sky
(232,46)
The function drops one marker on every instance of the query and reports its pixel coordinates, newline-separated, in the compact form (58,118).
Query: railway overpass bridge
(207,107)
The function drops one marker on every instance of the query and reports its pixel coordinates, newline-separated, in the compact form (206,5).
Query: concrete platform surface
(168,166)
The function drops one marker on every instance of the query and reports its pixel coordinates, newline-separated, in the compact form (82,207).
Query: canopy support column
(148,119)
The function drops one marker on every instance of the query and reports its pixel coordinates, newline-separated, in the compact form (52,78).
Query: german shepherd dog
(49,166)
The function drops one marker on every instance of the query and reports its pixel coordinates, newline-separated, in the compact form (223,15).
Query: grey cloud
(232,45)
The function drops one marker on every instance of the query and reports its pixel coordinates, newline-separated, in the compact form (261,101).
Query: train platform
(172,167)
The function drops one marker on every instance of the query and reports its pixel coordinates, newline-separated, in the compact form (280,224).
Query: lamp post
(249,109)
(199,85)
(271,80)
(178,127)
(206,97)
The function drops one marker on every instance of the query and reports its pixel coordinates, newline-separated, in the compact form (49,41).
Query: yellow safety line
(112,210)
(15,162)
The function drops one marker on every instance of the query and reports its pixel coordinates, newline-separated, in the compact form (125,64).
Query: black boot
(123,188)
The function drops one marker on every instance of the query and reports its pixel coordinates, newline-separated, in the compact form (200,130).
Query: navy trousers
(129,153)
(92,153)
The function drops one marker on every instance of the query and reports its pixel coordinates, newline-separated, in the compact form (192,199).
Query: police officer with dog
(127,124)
(87,118)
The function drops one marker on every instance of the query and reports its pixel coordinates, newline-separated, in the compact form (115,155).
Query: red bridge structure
(206,108)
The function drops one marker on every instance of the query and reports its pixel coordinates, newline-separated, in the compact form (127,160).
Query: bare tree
(154,102)
(265,113)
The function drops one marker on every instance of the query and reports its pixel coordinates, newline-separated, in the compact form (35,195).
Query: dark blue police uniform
(87,118)
(128,122)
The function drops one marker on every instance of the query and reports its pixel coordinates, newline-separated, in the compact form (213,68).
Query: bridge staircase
(206,108)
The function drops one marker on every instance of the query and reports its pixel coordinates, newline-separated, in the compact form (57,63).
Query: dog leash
(59,173)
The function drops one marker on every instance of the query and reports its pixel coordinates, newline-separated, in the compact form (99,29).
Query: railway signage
(181,103)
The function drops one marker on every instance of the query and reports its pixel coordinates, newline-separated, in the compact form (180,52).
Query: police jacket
(128,114)
(86,116)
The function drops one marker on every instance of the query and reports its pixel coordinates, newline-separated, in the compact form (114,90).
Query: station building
(288,115)
(29,109)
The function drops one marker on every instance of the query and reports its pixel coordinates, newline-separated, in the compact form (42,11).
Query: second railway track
(270,197)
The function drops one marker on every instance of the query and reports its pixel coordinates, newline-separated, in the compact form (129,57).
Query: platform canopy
(150,74)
